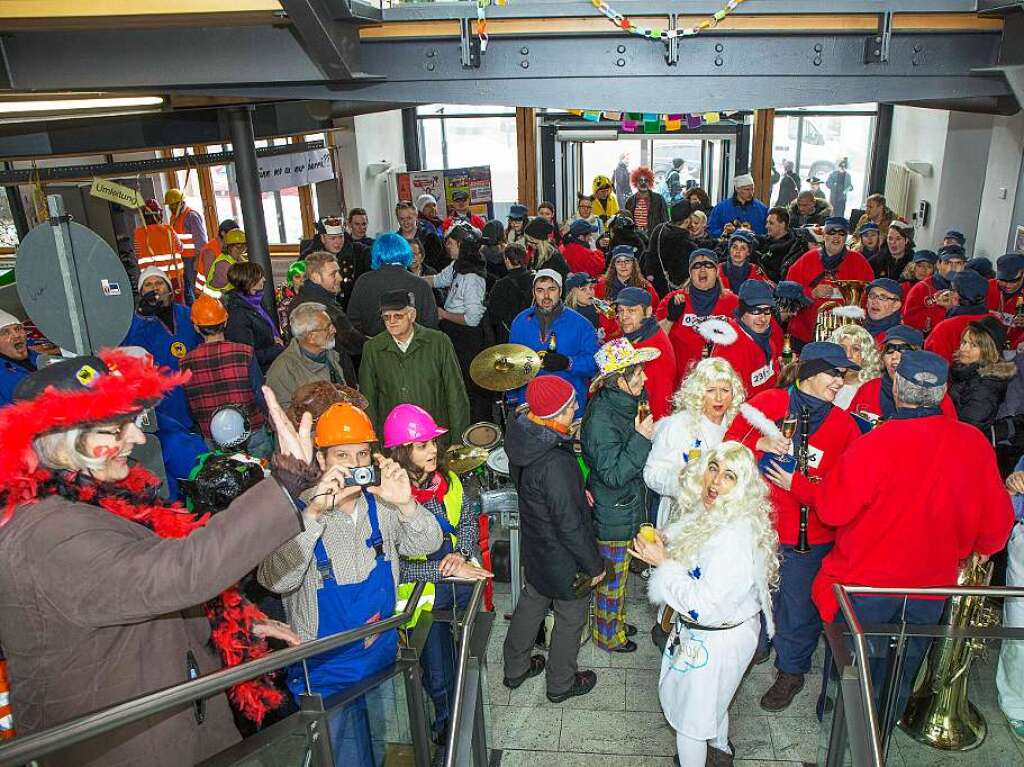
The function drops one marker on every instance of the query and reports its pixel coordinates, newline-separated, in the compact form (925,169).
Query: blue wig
(390,248)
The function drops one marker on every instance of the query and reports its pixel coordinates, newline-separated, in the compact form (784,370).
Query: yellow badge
(178,350)
(694,454)
(86,375)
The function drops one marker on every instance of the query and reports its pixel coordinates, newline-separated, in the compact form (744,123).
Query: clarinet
(802,547)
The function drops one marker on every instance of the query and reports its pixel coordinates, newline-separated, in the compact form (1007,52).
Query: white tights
(694,752)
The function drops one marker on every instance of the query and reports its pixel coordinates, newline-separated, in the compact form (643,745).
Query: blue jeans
(872,610)
(351,739)
(438,657)
(190,279)
(797,622)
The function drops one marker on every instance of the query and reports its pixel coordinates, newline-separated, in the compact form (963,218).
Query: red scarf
(434,491)
(231,615)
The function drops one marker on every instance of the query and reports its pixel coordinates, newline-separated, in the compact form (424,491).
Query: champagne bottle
(787,349)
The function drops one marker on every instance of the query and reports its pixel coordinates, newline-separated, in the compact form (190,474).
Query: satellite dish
(100,301)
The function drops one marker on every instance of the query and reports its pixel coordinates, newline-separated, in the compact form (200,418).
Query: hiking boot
(659,638)
(781,694)
(536,667)
(582,684)
(718,758)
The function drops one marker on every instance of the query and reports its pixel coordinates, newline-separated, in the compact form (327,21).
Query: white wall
(919,135)
(1001,179)
(362,140)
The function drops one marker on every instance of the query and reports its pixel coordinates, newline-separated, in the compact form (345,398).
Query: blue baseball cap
(623,251)
(756,293)
(905,333)
(633,297)
(744,235)
(581,228)
(923,369)
(929,256)
(837,222)
(982,266)
(578,280)
(705,254)
(970,286)
(888,285)
(819,356)
(792,292)
(868,226)
(949,252)
(1009,266)
(954,234)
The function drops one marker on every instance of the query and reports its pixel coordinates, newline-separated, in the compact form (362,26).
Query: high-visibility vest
(158,245)
(453,511)
(211,287)
(188,246)
(207,255)
(6,720)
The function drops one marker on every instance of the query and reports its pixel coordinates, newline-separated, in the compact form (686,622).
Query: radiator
(897,189)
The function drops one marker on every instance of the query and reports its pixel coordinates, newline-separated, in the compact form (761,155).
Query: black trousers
(469,342)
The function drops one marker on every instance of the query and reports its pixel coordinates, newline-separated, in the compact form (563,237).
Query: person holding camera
(341,572)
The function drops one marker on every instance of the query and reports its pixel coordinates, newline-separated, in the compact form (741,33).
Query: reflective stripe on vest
(453,511)
(223,257)
(6,720)
(188,248)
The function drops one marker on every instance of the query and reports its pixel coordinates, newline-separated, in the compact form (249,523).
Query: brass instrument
(851,292)
(939,713)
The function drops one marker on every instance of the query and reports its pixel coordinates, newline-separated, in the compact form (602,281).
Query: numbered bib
(762,375)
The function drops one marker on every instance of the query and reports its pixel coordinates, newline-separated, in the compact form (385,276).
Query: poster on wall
(442,183)
(1018,240)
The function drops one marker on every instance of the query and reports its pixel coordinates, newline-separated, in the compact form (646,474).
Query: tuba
(938,713)
(841,309)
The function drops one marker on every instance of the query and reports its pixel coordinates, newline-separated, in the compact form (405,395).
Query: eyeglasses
(760,311)
(897,348)
(703,265)
(879,296)
(325,329)
(836,231)
(120,433)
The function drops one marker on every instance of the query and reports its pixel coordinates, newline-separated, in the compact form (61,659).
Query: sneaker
(582,684)
(1017,728)
(536,667)
(628,646)
(781,694)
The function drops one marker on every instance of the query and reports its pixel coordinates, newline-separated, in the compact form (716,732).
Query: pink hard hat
(410,423)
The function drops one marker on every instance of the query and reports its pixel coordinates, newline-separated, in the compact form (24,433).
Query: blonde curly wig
(871,367)
(691,523)
(689,397)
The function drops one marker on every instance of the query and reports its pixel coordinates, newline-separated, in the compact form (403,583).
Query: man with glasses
(818,269)
(883,304)
(409,363)
(873,400)
(310,356)
(753,344)
(682,311)
(831,430)
(16,359)
(930,299)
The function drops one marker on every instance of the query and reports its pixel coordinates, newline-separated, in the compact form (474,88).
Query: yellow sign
(111,191)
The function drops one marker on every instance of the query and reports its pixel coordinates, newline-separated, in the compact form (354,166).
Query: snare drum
(482,434)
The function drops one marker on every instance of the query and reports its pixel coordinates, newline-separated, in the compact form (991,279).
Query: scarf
(590,313)
(737,274)
(435,489)
(761,339)
(548,423)
(703,301)
(647,329)
(969,310)
(817,409)
(906,413)
(256,302)
(231,615)
(831,263)
(940,283)
(874,327)
(547,319)
(614,287)
(885,398)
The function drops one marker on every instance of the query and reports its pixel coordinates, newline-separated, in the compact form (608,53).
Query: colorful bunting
(648,122)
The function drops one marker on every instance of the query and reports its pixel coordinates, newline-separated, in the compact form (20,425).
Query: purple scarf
(256,302)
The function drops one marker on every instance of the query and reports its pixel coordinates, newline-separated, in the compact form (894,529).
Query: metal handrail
(472,610)
(28,747)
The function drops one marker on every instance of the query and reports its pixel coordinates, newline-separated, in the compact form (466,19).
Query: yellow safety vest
(453,511)
(209,288)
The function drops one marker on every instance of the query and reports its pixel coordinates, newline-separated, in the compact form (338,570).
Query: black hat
(633,297)
(923,369)
(396,300)
(702,253)
(970,286)
(493,232)
(518,212)
(790,292)
(578,280)
(947,252)
(837,222)
(929,256)
(983,267)
(756,293)
(995,330)
(1008,266)
(460,194)
(75,374)
(581,229)
(956,236)
(538,228)
(681,211)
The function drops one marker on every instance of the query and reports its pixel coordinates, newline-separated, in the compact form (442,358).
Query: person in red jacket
(739,265)
(1009,280)
(928,301)
(577,252)
(882,303)
(969,292)
(818,268)
(894,533)
(751,342)
(460,211)
(830,432)
(683,310)
(874,400)
(633,306)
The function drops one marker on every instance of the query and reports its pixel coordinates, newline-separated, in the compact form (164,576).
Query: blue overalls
(341,608)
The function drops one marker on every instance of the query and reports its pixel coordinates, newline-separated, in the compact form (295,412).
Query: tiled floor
(619,724)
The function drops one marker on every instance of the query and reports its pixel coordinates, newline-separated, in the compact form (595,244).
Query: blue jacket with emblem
(730,209)
(11,374)
(575,337)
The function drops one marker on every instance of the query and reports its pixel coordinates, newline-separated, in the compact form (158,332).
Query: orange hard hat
(344,424)
(208,311)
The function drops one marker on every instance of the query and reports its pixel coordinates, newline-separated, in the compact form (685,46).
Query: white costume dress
(678,440)
(701,670)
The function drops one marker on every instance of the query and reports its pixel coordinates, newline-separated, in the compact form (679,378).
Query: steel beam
(329,32)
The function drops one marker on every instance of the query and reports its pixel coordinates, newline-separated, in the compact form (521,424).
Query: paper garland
(646,122)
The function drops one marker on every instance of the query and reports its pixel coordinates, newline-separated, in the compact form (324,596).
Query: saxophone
(939,713)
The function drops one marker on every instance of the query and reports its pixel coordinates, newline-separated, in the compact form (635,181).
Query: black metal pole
(243,143)
(411,137)
(880,149)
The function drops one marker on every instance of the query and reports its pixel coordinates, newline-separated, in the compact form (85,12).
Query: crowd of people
(715,413)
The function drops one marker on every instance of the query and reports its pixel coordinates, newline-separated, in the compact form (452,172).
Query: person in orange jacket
(209,252)
(157,245)
(191,230)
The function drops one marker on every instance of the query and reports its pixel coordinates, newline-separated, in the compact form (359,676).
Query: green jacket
(427,374)
(616,454)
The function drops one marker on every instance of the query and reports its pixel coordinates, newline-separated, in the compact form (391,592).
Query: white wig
(871,365)
(689,397)
(691,523)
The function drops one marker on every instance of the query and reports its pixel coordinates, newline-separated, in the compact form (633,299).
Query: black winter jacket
(978,391)
(657,210)
(246,326)
(822,210)
(778,255)
(509,296)
(667,259)
(554,516)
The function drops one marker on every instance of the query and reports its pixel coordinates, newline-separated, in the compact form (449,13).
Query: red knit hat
(547,395)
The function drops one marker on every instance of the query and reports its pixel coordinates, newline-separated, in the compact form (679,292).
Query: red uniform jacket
(945,338)
(891,532)
(916,313)
(581,259)
(609,325)
(756,273)
(686,341)
(826,446)
(868,400)
(808,268)
(747,358)
(661,374)
(1006,310)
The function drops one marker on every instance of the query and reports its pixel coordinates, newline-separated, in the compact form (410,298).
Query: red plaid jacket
(220,376)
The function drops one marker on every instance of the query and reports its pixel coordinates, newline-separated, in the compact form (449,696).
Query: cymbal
(504,367)
(463,459)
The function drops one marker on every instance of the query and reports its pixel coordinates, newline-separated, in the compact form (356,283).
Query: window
(8,232)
